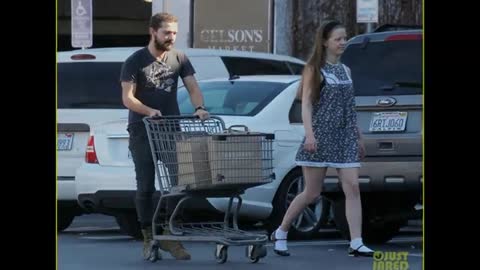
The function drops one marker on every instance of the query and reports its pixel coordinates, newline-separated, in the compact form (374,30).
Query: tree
(307,15)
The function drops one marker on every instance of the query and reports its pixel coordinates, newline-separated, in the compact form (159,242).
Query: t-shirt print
(158,76)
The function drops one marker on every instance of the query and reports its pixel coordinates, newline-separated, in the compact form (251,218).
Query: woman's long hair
(317,60)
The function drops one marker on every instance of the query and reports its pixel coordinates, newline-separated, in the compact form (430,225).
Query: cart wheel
(255,252)
(221,253)
(254,260)
(155,253)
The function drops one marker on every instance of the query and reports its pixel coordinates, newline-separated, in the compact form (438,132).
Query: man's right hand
(202,114)
(154,112)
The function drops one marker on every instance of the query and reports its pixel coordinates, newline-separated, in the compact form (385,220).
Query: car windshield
(232,97)
(81,87)
(385,68)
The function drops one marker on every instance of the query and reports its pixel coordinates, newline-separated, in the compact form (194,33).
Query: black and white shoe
(278,252)
(357,252)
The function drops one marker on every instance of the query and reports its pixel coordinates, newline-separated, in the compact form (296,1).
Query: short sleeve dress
(334,122)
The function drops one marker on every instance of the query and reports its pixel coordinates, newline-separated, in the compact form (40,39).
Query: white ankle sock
(357,242)
(281,244)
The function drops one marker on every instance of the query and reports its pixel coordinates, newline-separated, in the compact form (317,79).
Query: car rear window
(252,66)
(385,68)
(232,98)
(89,85)
(297,69)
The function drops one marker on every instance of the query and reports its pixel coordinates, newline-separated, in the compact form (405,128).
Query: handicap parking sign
(81,17)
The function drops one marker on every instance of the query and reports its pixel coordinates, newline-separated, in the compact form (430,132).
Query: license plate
(388,121)
(64,141)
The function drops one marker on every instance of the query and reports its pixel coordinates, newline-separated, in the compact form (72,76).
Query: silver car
(387,75)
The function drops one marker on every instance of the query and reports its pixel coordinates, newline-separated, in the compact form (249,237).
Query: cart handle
(146,119)
(179,117)
(231,130)
(160,117)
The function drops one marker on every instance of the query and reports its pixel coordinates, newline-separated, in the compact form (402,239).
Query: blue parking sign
(81,23)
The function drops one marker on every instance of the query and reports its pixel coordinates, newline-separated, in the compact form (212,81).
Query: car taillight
(404,37)
(82,56)
(90,155)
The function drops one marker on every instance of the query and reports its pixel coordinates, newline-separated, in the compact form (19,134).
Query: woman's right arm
(310,142)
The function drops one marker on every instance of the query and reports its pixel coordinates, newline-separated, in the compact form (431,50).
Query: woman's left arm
(361,144)
(360,136)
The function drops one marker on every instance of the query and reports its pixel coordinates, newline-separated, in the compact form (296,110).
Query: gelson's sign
(244,25)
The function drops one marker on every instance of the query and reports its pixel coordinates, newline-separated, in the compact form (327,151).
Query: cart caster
(255,252)
(221,253)
(155,254)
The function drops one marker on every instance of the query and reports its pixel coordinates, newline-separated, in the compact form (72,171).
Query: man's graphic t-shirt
(156,81)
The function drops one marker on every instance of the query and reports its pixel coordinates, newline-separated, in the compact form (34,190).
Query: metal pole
(369,27)
(157,6)
(165,5)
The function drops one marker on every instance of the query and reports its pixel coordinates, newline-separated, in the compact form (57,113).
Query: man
(149,88)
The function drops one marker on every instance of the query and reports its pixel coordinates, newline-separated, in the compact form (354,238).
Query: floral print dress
(334,123)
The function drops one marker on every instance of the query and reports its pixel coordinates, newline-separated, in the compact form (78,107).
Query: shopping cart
(201,158)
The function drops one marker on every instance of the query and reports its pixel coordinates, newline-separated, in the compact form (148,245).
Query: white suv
(89,92)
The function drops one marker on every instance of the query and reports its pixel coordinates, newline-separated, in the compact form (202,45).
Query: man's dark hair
(159,18)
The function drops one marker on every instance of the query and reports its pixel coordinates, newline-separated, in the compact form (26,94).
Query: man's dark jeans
(139,146)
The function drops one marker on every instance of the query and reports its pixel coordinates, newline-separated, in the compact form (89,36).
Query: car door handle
(385,146)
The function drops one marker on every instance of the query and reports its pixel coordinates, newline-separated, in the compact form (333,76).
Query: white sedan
(106,180)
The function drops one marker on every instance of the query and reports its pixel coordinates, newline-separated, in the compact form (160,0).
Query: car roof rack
(396,27)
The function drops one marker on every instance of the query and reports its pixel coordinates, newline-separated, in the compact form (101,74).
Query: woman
(332,138)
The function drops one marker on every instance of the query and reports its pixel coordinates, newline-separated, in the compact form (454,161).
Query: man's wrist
(201,107)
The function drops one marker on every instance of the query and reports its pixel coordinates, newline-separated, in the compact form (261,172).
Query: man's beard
(165,46)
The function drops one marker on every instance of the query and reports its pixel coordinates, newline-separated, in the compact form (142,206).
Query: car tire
(302,228)
(64,218)
(374,229)
(128,223)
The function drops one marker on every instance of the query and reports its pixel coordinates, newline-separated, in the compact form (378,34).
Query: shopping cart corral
(201,158)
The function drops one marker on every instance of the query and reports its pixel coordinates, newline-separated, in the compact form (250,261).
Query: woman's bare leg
(313,178)
(353,204)
(353,210)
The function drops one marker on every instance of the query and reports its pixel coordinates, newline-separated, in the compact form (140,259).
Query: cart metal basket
(201,158)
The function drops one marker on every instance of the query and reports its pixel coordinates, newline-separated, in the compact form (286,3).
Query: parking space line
(415,254)
(92,228)
(345,242)
(113,237)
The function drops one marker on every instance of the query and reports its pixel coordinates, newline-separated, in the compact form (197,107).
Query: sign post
(81,23)
(367,12)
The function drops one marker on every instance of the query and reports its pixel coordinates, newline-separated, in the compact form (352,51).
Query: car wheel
(64,219)
(310,220)
(128,223)
(374,229)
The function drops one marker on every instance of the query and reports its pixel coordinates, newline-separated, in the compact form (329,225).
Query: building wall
(181,9)
(295,21)
(115,23)
(110,18)
(125,22)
